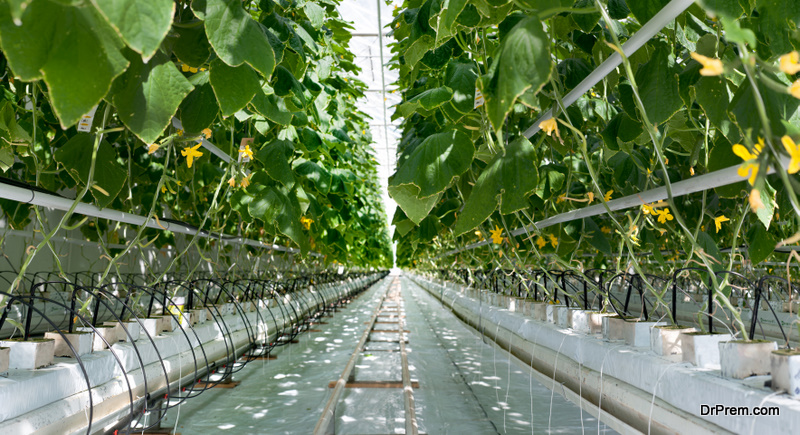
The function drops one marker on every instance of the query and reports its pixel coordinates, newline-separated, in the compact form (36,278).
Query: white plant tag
(85,124)
(478,99)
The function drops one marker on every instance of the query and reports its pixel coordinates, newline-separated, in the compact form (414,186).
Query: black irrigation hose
(140,299)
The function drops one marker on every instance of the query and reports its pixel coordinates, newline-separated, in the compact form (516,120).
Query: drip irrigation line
(658,22)
(722,177)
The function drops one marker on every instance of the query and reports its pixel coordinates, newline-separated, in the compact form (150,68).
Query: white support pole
(30,196)
(658,22)
(715,179)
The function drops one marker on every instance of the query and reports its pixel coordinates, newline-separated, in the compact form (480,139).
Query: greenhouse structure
(367,217)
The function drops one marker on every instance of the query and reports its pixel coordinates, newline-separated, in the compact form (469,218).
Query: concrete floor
(466,386)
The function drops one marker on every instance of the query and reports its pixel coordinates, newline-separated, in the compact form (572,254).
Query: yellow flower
(246,180)
(719,220)
(163,189)
(664,216)
(232,181)
(794,152)
(755,200)
(648,209)
(606,230)
(179,132)
(306,222)
(479,234)
(497,235)
(794,89)
(549,126)
(541,242)
(246,152)
(207,133)
(590,195)
(153,147)
(553,240)
(192,69)
(184,67)
(608,196)
(711,66)
(191,153)
(749,168)
(561,198)
(790,63)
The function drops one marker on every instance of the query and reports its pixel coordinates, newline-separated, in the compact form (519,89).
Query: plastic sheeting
(466,385)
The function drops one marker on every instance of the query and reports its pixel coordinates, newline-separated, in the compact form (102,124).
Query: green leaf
(766,212)
(72,48)
(760,243)
(141,24)
(713,94)
(427,100)
(722,157)
(235,36)
(6,157)
(522,63)
(274,205)
(644,10)
(658,86)
(240,201)
(275,158)
(109,174)
(272,107)
(233,86)
(415,208)
(199,109)
(191,46)
(435,163)
(594,235)
(460,76)
(618,9)
(710,247)
(418,49)
(445,27)
(726,8)
(508,180)
(314,13)
(778,22)
(316,174)
(148,95)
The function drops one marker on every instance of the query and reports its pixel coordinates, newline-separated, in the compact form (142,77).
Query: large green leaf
(760,243)
(141,24)
(713,94)
(109,174)
(427,100)
(191,46)
(508,180)
(272,107)
(658,86)
(416,209)
(235,36)
(316,174)
(72,48)
(446,20)
(199,109)
(644,10)
(275,158)
(233,86)
(522,63)
(436,162)
(148,95)
(460,76)
(594,235)
(275,205)
(779,20)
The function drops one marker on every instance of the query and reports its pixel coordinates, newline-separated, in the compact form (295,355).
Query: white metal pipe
(658,22)
(30,196)
(722,177)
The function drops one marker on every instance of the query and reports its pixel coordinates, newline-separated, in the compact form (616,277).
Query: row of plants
(716,88)
(90,92)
